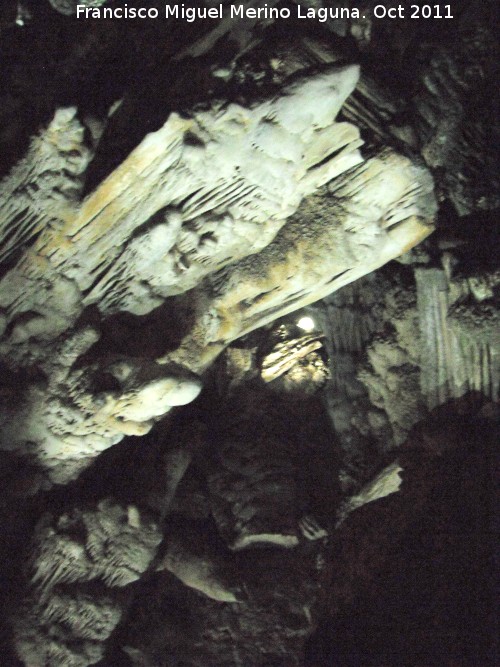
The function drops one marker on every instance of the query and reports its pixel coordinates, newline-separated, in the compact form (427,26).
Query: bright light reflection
(306,323)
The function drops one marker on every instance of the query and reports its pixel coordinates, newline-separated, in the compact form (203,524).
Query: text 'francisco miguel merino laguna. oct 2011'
(265,12)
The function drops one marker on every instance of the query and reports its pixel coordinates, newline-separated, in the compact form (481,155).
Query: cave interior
(249,336)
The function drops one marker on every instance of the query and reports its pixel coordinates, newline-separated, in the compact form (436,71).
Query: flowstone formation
(182,212)
(228,417)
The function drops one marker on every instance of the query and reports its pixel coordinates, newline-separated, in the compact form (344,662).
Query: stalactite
(455,360)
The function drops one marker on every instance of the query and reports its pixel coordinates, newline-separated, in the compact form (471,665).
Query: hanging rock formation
(162,222)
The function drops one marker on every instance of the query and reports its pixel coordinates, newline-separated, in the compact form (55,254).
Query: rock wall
(429,337)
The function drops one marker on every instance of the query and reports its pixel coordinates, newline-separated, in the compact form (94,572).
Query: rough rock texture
(266,450)
(461,334)
(160,223)
(403,342)
(188,478)
(79,561)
